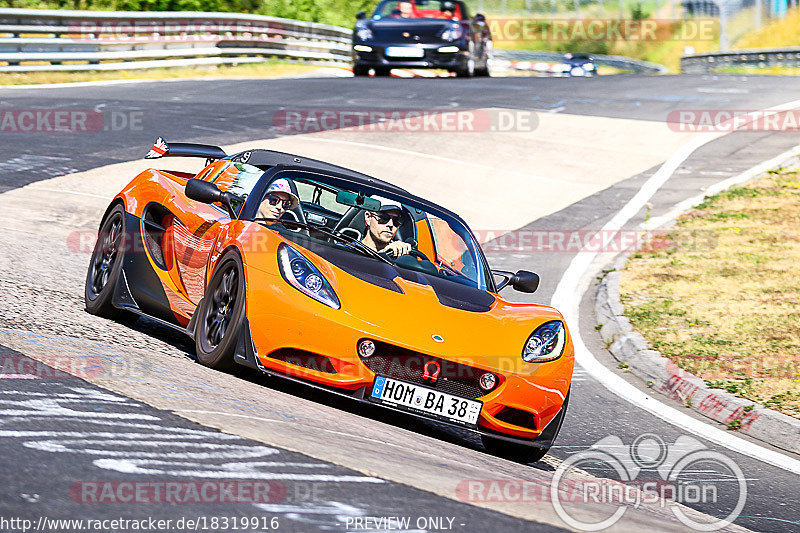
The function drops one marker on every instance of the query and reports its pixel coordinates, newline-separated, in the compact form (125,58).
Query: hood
(409,308)
(419,30)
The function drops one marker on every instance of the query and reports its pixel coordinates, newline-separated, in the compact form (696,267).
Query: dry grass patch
(255,70)
(720,293)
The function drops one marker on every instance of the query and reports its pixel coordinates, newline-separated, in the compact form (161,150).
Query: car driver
(278,200)
(382,226)
(405,9)
(447,10)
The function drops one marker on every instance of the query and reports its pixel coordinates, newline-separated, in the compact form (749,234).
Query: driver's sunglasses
(383,218)
(274,199)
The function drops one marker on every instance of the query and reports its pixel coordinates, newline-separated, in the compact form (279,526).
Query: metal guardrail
(34,39)
(620,62)
(758,57)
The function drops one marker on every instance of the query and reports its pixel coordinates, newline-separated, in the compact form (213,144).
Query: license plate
(404,51)
(421,399)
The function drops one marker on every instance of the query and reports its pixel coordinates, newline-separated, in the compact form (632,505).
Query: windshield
(418,9)
(386,228)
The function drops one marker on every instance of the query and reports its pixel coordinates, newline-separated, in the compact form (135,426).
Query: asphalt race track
(138,409)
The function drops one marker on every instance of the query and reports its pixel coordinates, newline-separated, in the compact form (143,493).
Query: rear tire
(382,72)
(221,314)
(106,265)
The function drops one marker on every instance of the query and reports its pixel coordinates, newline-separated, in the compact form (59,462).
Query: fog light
(448,49)
(366,348)
(362,48)
(488,381)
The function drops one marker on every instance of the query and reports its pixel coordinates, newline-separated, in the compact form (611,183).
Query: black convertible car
(436,34)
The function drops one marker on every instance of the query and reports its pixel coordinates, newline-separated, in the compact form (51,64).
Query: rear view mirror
(357,200)
(521,280)
(361,15)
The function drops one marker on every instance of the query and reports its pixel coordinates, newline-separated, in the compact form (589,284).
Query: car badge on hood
(437,338)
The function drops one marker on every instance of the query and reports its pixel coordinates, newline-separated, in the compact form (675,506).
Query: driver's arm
(397,248)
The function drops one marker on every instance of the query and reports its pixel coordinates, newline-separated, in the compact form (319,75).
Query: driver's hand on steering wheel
(397,248)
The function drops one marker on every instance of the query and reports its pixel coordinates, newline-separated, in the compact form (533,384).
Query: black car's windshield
(420,9)
(383,227)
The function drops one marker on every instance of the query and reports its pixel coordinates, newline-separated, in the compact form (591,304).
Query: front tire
(360,70)
(468,70)
(106,265)
(221,314)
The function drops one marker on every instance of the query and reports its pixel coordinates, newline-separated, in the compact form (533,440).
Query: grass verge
(719,294)
(758,71)
(266,69)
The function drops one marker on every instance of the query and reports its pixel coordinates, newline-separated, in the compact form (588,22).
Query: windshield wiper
(358,245)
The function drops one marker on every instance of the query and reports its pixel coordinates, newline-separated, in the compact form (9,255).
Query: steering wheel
(419,255)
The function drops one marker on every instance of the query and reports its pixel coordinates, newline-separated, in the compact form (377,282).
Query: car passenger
(382,226)
(278,200)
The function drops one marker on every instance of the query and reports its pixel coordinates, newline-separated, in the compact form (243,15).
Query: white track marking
(576,281)
(65,191)
(428,156)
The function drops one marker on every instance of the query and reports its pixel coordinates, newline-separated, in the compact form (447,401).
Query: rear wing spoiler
(162,149)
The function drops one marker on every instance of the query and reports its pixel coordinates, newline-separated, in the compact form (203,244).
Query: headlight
(452,33)
(546,343)
(305,277)
(362,31)
(588,66)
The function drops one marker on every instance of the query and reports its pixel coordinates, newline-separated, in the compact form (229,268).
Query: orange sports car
(316,273)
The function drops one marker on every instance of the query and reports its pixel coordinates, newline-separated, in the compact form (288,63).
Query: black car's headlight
(362,31)
(305,277)
(453,32)
(546,343)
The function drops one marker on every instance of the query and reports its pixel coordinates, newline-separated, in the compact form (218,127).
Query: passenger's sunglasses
(384,218)
(274,199)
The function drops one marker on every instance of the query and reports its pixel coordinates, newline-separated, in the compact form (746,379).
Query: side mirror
(361,15)
(521,280)
(206,192)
